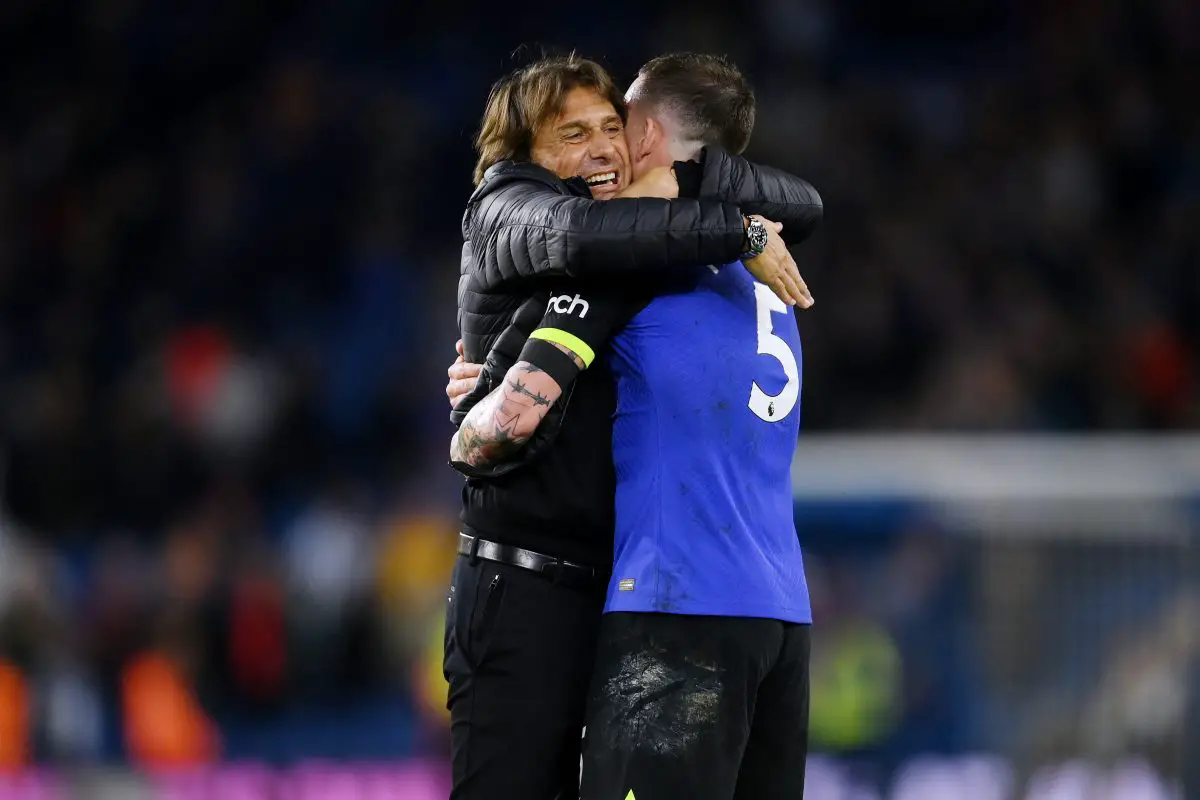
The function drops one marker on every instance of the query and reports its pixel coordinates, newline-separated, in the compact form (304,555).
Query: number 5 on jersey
(772,408)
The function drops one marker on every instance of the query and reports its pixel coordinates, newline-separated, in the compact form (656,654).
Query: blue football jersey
(708,415)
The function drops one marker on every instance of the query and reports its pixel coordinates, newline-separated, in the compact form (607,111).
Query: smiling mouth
(602,179)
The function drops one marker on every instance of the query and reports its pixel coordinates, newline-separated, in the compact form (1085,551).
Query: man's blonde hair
(520,103)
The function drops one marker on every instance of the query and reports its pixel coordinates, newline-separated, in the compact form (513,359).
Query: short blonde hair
(523,101)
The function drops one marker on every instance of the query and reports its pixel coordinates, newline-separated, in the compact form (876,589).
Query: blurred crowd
(933,641)
(227,638)
(229,238)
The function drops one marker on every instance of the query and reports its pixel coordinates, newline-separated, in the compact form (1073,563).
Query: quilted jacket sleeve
(526,229)
(773,193)
(504,353)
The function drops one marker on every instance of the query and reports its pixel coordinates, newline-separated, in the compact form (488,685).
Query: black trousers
(519,655)
(704,708)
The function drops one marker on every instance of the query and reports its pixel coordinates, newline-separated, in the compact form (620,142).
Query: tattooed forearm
(520,387)
(504,421)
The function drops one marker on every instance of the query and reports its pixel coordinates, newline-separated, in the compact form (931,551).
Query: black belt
(556,569)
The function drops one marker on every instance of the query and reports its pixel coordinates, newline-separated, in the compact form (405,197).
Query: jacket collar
(715,172)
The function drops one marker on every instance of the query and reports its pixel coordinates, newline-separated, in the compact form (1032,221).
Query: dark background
(229,236)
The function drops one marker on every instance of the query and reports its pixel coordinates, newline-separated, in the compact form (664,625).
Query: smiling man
(604,163)
(555,197)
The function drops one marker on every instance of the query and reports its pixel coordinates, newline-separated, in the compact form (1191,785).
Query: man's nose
(601,146)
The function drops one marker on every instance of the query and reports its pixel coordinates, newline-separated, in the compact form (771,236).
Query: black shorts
(519,655)
(704,708)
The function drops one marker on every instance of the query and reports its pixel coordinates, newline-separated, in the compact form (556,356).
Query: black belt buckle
(554,570)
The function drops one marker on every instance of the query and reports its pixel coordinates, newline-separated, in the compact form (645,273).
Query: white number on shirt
(772,408)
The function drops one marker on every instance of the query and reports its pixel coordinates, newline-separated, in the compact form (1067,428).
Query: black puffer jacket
(524,223)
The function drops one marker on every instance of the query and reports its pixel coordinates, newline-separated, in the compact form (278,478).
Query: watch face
(758,237)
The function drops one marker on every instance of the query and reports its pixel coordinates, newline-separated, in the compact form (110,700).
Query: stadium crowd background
(228,251)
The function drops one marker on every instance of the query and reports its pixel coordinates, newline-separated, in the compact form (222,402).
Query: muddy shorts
(702,708)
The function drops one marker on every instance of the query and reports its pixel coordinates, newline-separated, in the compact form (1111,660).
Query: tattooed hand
(505,420)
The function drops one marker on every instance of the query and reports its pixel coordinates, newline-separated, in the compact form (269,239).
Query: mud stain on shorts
(660,703)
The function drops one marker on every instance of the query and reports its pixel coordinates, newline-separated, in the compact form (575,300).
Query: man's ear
(652,134)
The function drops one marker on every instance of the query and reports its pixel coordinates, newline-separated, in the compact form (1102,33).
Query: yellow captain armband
(562,367)
(567,340)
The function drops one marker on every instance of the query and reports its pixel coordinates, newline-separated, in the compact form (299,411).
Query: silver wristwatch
(756,238)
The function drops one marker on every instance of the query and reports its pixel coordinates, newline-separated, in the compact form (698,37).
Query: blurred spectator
(165,725)
(15,726)
(416,556)
(73,711)
(429,680)
(1143,698)
(326,557)
(257,645)
(856,686)
(222,396)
